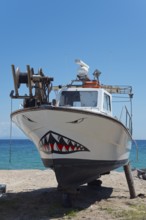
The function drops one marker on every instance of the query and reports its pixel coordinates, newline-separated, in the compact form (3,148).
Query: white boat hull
(78,145)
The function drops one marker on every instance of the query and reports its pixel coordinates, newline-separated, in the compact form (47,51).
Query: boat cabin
(95,99)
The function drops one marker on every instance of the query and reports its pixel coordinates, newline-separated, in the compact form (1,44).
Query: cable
(137,156)
(10,143)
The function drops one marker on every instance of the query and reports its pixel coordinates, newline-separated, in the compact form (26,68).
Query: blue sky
(107,34)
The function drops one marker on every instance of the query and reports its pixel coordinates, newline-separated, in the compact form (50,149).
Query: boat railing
(126,118)
(116,89)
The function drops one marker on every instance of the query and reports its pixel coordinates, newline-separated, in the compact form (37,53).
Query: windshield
(79,98)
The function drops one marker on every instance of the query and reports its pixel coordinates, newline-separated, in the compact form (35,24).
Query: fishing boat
(76,133)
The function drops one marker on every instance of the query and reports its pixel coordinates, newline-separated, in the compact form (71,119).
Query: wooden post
(130,181)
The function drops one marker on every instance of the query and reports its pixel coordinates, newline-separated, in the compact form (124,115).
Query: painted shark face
(52,142)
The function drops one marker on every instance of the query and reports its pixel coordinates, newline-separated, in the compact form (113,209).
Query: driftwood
(141,174)
(2,189)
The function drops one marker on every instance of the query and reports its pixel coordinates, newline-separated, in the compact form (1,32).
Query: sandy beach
(33,194)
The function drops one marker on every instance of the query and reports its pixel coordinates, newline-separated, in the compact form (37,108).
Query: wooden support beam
(130,181)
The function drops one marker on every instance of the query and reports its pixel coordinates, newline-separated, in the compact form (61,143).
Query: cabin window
(107,103)
(79,98)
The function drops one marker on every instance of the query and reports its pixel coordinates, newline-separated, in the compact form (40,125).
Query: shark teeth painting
(53,142)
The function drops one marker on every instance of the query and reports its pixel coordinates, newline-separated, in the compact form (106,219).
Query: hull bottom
(71,173)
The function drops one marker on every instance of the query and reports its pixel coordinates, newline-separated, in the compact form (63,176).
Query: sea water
(19,154)
(22,154)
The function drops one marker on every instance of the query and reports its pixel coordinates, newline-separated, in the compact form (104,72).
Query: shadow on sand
(47,203)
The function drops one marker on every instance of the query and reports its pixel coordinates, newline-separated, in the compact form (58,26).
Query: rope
(136,145)
(137,157)
(10,146)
